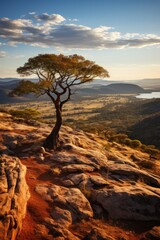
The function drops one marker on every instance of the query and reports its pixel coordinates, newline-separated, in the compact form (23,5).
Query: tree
(57,74)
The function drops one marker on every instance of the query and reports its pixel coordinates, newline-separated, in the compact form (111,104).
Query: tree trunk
(52,140)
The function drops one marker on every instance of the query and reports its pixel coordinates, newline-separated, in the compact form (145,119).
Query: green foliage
(151,150)
(46,66)
(28,114)
(119,138)
(24,87)
(56,74)
(135,143)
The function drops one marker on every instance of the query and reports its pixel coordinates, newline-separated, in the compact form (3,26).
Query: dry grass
(73,110)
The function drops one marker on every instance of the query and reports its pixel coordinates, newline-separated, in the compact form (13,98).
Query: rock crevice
(14,194)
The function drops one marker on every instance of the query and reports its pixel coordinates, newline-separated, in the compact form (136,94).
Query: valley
(120,113)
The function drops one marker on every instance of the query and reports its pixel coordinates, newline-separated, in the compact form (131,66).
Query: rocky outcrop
(13,196)
(89,180)
(71,199)
(130,202)
(153,234)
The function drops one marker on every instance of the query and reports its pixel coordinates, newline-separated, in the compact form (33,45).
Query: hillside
(148,130)
(137,118)
(89,189)
(123,88)
(113,88)
(7,86)
(92,89)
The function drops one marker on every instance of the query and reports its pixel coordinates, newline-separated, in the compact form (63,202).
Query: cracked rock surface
(14,194)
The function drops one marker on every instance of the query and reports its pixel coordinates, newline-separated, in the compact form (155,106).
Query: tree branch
(67,99)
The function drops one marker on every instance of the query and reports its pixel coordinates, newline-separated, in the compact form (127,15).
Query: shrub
(133,143)
(119,138)
(128,141)
(136,143)
(28,114)
(151,150)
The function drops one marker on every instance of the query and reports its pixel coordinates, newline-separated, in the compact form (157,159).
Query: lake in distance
(149,95)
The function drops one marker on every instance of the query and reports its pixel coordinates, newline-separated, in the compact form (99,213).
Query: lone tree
(57,74)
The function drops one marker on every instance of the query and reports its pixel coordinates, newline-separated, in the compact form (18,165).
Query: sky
(123,36)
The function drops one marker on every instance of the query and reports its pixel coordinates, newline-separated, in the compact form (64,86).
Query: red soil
(37,208)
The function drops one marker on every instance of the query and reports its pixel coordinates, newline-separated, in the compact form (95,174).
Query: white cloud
(52,31)
(73,20)
(49,19)
(2,54)
(32,13)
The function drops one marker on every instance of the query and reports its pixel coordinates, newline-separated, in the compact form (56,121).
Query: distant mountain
(6,85)
(99,82)
(90,90)
(150,83)
(122,88)
(114,88)
(96,87)
(9,84)
(7,79)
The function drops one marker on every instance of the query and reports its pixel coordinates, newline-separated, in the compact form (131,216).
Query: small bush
(136,144)
(119,138)
(151,150)
(133,143)
(128,141)
(28,114)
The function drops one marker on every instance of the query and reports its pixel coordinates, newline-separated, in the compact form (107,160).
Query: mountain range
(97,87)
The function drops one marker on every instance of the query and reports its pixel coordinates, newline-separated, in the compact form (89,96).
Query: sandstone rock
(40,157)
(87,181)
(153,234)
(11,140)
(130,202)
(13,196)
(119,158)
(125,171)
(77,168)
(58,231)
(71,158)
(71,199)
(62,216)
(100,235)
(42,232)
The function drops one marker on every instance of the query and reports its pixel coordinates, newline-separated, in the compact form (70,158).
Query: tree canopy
(57,74)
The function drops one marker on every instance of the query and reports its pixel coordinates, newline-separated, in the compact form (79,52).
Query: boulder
(14,194)
(71,199)
(77,168)
(96,234)
(62,216)
(127,172)
(153,234)
(58,231)
(129,202)
(83,180)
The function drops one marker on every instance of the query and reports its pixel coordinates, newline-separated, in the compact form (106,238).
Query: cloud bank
(55,31)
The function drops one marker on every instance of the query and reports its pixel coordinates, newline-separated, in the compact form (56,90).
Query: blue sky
(121,35)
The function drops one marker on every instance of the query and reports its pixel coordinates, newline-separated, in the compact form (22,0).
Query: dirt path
(37,208)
